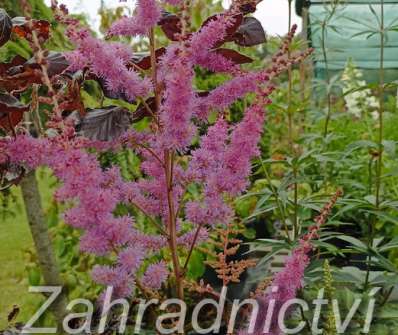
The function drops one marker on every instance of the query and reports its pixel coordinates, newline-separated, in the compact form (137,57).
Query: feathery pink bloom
(223,164)
(219,167)
(178,98)
(155,275)
(284,287)
(113,277)
(205,39)
(226,94)
(188,238)
(146,16)
(108,61)
(130,259)
(96,193)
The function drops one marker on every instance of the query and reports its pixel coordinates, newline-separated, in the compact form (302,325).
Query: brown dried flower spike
(229,271)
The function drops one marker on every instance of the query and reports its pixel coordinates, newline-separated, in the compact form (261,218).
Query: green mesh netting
(349,34)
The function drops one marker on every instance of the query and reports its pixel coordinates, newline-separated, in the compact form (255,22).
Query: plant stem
(152,46)
(327,79)
(42,241)
(296,218)
(169,158)
(168,165)
(325,23)
(195,239)
(290,84)
(379,164)
(290,130)
(278,202)
(379,161)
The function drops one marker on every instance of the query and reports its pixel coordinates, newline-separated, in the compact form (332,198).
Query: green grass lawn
(16,244)
(15,239)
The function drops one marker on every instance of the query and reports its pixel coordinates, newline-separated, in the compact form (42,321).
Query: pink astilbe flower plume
(155,275)
(178,99)
(206,39)
(97,192)
(108,61)
(146,16)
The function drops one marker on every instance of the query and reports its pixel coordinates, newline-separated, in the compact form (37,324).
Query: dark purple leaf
(5,27)
(56,63)
(10,104)
(5,68)
(23,28)
(17,76)
(248,8)
(171,25)
(11,111)
(238,19)
(250,33)
(144,111)
(234,56)
(20,79)
(103,124)
(143,59)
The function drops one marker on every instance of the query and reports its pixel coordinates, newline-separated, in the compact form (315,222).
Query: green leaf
(34,276)
(380,260)
(393,244)
(388,312)
(249,233)
(196,265)
(357,244)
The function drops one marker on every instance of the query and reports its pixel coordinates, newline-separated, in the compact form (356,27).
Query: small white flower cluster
(360,100)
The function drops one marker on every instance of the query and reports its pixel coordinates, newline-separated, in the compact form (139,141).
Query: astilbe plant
(174,153)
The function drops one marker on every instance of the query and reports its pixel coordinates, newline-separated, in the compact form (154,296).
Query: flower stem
(379,161)
(169,158)
(168,166)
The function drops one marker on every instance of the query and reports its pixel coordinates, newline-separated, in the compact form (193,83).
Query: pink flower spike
(155,275)
(147,15)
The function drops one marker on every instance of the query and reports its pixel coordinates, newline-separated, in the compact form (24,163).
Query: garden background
(323,132)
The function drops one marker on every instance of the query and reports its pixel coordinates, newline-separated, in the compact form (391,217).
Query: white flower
(360,100)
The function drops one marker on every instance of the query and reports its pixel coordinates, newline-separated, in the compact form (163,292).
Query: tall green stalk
(324,26)
(379,161)
(290,83)
(327,79)
(381,108)
(291,130)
